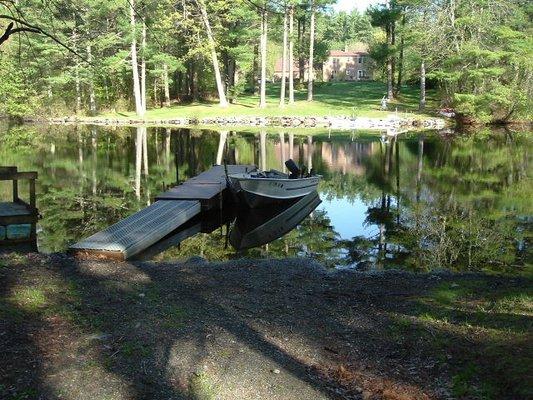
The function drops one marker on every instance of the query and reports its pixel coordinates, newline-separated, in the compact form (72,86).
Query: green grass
(359,99)
(483,325)
(201,387)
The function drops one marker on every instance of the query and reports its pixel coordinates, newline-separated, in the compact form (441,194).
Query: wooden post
(32,194)
(15,190)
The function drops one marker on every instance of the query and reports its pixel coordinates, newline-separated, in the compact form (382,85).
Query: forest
(88,57)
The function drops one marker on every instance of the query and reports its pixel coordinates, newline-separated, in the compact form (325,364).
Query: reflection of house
(349,65)
(346,157)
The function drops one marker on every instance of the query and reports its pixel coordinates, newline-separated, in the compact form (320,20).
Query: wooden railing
(12,174)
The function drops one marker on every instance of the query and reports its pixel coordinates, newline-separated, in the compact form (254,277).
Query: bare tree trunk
(393,56)
(255,75)
(262,101)
(77,71)
(156,96)
(143,67)
(134,64)
(291,55)
(311,73)
(301,59)
(422,104)
(390,92)
(400,58)
(166,84)
(284,61)
(214,58)
(92,96)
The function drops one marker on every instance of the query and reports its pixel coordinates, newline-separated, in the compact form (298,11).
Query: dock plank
(205,186)
(193,191)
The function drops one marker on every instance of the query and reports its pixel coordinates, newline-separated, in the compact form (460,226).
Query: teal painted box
(18,231)
(2,232)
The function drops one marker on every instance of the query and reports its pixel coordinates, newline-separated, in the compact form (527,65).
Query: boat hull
(262,192)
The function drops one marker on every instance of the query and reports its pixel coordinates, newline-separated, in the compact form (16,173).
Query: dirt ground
(258,329)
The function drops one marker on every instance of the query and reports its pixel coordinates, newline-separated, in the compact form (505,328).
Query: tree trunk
(134,64)
(156,96)
(143,67)
(284,61)
(400,59)
(264,27)
(422,104)
(301,59)
(311,72)
(232,67)
(393,56)
(255,76)
(92,96)
(77,72)
(166,84)
(291,55)
(390,93)
(214,58)
(194,82)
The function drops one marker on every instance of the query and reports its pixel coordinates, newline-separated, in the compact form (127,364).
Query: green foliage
(18,96)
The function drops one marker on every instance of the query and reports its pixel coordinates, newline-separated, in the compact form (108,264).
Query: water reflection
(257,227)
(413,201)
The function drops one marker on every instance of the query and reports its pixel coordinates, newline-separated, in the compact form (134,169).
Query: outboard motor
(293,168)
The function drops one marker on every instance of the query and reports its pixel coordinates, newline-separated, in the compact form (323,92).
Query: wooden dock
(170,211)
(18,218)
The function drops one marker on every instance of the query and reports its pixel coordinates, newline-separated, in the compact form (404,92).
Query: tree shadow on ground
(193,330)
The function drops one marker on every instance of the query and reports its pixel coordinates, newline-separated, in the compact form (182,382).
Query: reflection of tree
(462,203)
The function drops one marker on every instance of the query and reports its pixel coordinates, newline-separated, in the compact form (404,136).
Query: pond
(420,201)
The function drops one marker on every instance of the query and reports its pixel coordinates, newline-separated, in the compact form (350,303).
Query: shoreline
(391,122)
(257,328)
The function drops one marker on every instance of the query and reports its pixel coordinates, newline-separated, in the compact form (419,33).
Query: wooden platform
(170,211)
(206,187)
(18,219)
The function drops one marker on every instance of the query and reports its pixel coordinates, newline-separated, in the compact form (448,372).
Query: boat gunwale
(274,179)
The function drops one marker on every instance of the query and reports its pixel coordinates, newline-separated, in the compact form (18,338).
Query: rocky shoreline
(392,121)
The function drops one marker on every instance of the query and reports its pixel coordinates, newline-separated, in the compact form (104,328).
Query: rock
(366,395)
(275,371)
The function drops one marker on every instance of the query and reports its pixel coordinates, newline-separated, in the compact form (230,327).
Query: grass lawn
(336,98)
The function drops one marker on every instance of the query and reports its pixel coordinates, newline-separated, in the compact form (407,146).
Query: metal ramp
(139,231)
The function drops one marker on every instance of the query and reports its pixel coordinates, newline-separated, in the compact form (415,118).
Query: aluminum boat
(259,189)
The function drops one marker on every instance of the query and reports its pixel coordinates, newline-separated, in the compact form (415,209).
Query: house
(278,70)
(347,65)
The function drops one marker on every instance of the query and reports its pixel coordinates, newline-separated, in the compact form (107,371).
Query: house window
(361,59)
(360,73)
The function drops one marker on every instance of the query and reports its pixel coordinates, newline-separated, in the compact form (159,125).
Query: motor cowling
(293,168)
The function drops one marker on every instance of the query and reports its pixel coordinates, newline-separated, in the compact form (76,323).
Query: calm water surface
(420,202)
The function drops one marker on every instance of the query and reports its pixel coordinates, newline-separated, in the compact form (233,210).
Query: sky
(349,5)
